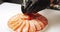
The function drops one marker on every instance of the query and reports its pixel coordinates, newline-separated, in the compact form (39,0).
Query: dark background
(11,1)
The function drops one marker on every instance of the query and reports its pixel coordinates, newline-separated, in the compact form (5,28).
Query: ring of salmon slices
(25,23)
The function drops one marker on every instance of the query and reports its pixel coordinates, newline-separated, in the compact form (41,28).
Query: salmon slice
(17,26)
(20,29)
(14,24)
(13,20)
(43,19)
(41,24)
(26,28)
(37,25)
(24,17)
(32,27)
(10,23)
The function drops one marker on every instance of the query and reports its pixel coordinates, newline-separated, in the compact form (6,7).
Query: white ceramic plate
(8,10)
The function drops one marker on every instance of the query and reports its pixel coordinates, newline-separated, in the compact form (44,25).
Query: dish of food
(25,23)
